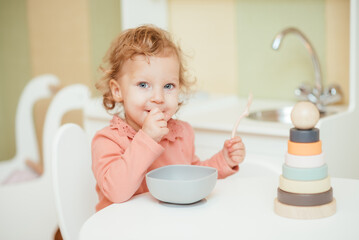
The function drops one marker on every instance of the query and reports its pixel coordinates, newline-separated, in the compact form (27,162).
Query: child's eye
(143,85)
(169,86)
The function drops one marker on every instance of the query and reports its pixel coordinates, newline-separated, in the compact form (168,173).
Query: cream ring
(293,186)
(312,161)
(304,149)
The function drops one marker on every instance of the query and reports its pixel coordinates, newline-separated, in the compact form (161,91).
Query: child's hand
(234,151)
(155,125)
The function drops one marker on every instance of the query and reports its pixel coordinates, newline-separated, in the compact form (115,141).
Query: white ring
(311,161)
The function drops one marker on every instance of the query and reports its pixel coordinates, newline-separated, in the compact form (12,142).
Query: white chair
(16,170)
(74,183)
(27,209)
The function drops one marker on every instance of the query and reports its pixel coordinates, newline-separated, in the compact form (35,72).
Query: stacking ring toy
(304,136)
(305,174)
(298,199)
(293,186)
(312,161)
(304,149)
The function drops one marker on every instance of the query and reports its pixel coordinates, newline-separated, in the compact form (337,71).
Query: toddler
(145,75)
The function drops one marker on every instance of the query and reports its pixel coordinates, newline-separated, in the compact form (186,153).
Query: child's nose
(157,96)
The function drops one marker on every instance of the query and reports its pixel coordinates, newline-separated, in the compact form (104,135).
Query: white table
(238,208)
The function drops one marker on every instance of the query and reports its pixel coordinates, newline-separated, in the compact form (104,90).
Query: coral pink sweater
(121,157)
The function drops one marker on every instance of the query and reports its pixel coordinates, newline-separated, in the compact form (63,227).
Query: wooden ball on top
(305,115)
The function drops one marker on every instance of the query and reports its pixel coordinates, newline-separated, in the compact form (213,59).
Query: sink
(281,115)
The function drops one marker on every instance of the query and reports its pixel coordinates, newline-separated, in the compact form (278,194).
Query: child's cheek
(172,107)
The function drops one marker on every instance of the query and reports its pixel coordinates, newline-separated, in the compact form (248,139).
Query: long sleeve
(120,165)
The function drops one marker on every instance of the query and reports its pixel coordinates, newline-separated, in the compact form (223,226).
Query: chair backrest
(38,88)
(72,97)
(74,183)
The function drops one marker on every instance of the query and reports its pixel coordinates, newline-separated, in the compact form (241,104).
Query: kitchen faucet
(319,96)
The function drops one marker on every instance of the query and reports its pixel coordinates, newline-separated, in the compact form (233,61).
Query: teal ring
(305,174)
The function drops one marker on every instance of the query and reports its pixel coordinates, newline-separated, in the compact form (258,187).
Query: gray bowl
(181,184)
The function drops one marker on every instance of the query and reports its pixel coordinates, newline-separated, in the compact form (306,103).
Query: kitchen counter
(220,112)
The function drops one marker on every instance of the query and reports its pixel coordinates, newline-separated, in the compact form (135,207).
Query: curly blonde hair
(146,40)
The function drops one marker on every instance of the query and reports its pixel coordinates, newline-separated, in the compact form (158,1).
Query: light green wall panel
(275,74)
(14,68)
(105,25)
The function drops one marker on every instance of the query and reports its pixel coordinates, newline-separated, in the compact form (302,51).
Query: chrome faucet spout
(318,89)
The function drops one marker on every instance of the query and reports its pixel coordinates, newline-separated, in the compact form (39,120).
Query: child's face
(145,84)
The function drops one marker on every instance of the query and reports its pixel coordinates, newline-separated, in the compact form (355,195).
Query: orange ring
(304,149)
